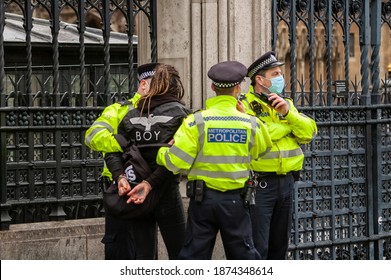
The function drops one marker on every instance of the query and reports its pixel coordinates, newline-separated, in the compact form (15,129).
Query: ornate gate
(342,205)
(56,76)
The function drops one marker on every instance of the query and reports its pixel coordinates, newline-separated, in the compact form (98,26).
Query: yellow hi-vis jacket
(287,133)
(100,136)
(217,145)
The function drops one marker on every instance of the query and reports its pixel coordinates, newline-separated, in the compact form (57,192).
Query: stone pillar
(144,39)
(174,35)
(193,35)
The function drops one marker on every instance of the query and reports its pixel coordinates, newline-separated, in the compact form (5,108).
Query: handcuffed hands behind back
(139,193)
(123,185)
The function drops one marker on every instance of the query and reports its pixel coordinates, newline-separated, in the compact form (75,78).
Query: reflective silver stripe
(199,120)
(223,159)
(201,126)
(104,124)
(93,133)
(284,154)
(264,153)
(169,164)
(253,133)
(215,174)
(181,154)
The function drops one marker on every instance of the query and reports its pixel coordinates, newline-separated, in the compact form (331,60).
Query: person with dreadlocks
(159,114)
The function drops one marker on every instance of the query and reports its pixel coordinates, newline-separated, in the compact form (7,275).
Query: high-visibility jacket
(287,133)
(217,145)
(100,136)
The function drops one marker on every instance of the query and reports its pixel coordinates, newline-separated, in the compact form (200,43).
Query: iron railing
(342,205)
(52,89)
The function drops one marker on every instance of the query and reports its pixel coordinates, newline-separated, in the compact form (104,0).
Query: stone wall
(67,240)
(193,35)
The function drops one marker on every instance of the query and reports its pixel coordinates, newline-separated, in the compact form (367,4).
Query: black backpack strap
(153,145)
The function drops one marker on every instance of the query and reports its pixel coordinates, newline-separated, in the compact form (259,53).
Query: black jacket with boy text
(140,126)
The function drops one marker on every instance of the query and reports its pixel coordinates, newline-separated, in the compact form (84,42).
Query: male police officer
(216,147)
(272,214)
(121,236)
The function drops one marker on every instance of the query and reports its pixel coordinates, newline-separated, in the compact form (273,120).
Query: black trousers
(222,211)
(271,216)
(137,238)
(118,239)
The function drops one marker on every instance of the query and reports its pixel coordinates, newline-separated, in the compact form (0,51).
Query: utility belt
(195,189)
(295,174)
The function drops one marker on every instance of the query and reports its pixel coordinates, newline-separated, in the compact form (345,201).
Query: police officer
(215,147)
(158,115)
(121,236)
(277,171)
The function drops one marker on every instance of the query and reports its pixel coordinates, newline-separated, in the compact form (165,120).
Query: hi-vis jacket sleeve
(181,155)
(100,136)
(303,127)
(278,130)
(262,142)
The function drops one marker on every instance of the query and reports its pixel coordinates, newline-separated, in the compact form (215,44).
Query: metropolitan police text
(229,135)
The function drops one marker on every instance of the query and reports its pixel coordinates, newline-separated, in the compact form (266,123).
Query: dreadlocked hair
(166,80)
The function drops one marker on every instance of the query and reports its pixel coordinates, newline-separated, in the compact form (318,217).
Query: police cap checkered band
(225,85)
(146,75)
(266,61)
(145,71)
(227,74)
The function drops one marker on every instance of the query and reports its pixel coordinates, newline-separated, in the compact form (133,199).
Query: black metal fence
(51,92)
(55,79)
(342,205)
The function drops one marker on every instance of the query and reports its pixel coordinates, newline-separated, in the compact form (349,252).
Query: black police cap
(147,70)
(227,74)
(266,61)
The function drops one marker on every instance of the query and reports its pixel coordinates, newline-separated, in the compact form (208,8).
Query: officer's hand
(172,141)
(123,186)
(279,104)
(139,193)
(240,106)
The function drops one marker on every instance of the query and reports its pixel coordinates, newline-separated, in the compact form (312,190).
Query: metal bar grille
(51,91)
(342,204)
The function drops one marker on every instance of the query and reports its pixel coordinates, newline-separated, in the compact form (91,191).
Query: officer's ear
(212,86)
(259,79)
(238,90)
(144,86)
